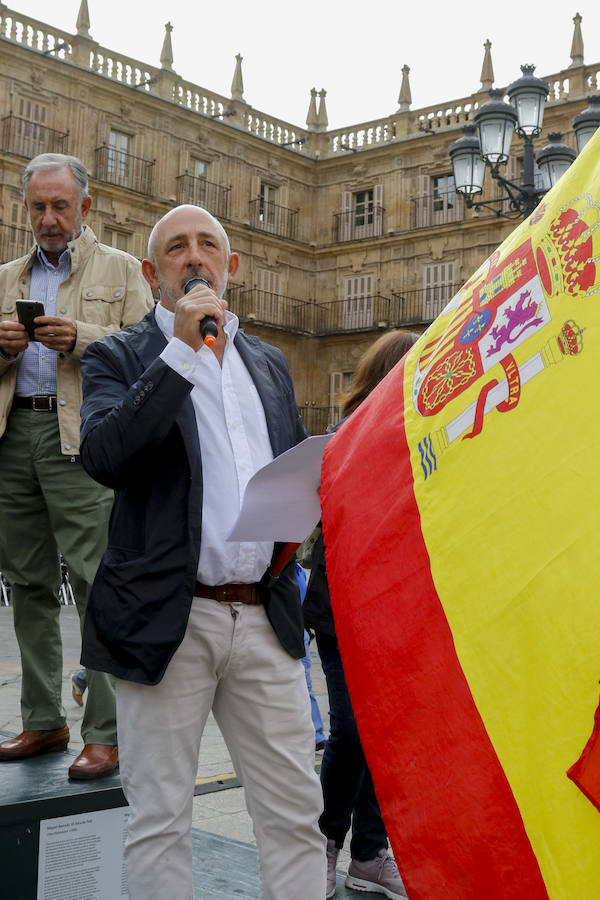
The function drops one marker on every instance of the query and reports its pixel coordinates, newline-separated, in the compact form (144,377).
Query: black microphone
(208,326)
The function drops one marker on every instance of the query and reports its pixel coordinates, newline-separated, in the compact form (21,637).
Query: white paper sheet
(281,502)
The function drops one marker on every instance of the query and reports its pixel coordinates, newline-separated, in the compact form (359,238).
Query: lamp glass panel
(530,110)
(584,133)
(469,172)
(495,136)
(553,170)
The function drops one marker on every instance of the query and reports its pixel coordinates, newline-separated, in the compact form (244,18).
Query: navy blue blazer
(140,437)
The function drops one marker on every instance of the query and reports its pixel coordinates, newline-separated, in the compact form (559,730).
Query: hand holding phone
(27,310)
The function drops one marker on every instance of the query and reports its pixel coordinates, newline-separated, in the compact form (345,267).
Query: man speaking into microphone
(183,619)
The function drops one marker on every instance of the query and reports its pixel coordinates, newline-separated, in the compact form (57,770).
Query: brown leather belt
(234,592)
(40,402)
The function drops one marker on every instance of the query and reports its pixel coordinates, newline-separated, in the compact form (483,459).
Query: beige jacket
(105,292)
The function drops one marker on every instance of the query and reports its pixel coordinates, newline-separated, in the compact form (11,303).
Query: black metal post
(529,193)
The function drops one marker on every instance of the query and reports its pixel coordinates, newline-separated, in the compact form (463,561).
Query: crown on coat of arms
(570,339)
(567,257)
(568,342)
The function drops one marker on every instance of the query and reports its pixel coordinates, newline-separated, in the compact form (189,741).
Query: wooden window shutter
(424,204)
(345,226)
(378,209)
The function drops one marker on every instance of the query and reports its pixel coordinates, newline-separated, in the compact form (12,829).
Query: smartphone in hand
(27,310)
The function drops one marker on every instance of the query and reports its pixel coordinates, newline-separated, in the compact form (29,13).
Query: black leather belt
(39,402)
(234,592)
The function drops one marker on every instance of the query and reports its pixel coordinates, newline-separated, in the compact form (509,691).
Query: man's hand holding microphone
(199,315)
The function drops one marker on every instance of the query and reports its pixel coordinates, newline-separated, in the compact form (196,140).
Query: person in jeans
(348,792)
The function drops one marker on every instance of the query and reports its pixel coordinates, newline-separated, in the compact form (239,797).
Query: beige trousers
(231,661)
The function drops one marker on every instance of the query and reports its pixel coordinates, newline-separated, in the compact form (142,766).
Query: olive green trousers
(49,505)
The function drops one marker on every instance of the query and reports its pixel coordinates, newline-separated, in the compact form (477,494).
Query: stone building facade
(342,233)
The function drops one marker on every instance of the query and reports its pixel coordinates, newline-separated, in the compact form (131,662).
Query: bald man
(184,620)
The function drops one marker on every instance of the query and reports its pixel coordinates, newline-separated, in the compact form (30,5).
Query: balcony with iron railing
(200,192)
(356,314)
(420,306)
(15,241)
(117,167)
(276,310)
(440,208)
(27,138)
(368,313)
(273,218)
(357,225)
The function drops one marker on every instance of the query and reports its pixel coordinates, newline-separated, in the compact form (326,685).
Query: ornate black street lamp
(587,122)
(496,122)
(554,159)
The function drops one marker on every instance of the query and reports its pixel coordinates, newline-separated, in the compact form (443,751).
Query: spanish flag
(461,514)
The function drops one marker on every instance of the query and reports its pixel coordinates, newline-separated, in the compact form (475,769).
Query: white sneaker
(378,876)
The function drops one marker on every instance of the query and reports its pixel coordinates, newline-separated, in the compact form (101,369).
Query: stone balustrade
(592,80)
(82,50)
(122,68)
(447,115)
(272,129)
(199,100)
(37,35)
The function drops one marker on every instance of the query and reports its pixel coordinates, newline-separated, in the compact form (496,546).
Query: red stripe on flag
(449,810)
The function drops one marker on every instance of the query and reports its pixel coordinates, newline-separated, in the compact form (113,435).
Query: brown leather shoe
(32,743)
(94,761)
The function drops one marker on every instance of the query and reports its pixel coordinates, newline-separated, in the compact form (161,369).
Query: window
(115,238)
(30,131)
(363,208)
(358,301)
(118,154)
(267,207)
(437,202)
(444,195)
(199,187)
(438,288)
(361,215)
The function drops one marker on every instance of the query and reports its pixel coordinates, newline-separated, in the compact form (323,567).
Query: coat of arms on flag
(461,513)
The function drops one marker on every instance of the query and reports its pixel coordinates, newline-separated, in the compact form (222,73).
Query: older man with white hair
(48,504)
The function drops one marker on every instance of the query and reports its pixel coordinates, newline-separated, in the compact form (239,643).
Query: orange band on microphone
(209,340)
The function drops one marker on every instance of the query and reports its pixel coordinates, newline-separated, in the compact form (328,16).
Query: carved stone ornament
(120,211)
(437,250)
(125,109)
(272,256)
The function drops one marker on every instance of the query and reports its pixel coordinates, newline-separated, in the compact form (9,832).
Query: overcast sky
(355,50)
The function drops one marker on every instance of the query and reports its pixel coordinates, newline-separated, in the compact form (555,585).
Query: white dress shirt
(234,444)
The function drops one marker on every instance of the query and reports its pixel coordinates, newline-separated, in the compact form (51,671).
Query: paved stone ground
(224,837)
